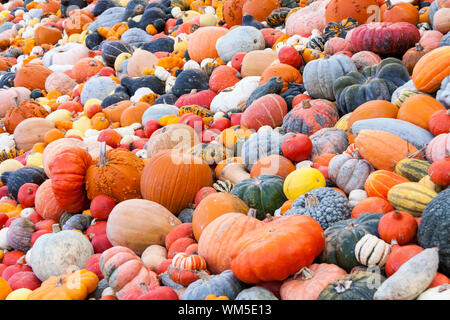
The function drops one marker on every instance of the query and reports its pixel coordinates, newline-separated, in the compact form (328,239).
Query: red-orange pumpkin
(397,225)
(269,110)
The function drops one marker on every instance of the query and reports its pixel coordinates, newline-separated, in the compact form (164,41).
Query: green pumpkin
(339,29)
(274,85)
(434,226)
(341,238)
(78,221)
(64,217)
(263,193)
(376,82)
(356,286)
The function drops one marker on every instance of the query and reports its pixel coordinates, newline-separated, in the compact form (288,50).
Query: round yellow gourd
(74,132)
(82,124)
(208,20)
(34,160)
(42,101)
(187,15)
(19,294)
(342,123)
(301,181)
(10,165)
(59,115)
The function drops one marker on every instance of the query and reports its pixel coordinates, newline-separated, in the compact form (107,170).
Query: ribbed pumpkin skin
(55,147)
(379,182)
(232,12)
(418,109)
(431,69)
(328,140)
(268,110)
(217,238)
(45,202)
(337,10)
(412,169)
(172,179)
(410,197)
(309,116)
(137,224)
(382,149)
(433,228)
(202,43)
(212,207)
(438,148)
(254,254)
(111,49)
(384,38)
(304,288)
(358,290)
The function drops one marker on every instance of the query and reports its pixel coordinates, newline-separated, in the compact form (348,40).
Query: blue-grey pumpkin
(15,179)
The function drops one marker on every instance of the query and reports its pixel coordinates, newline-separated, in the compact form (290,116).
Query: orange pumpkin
(431,69)
(260,9)
(86,68)
(379,182)
(76,21)
(45,202)
(214,206)
(418,109)
(232,12)
(360,10)
(399,12)
(114,112)
(273,164)
(202,43)
(47,35)
(413,55)
(286,72)
(99,121)
(5,289)
(172,179)
(371,204)
(32,76)
(133,114)
(27,109)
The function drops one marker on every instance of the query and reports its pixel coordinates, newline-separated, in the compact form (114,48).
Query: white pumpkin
(3,239)
(97,87)
(67,54)
(356,196)
(441,292)
(239,39)
(229,98)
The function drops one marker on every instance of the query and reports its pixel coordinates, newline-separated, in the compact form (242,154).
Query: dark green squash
(167,98)
(15,179)
(7,80)
(78,221)
(97,293)
(164,44)
(434,228)
(223,284)
(111,49)
(373,83)
(294,89)
(356,286)
(277,17)
(189,80)
(103,5)
(340,28)
(186,215)
(134,8)
(64,217)
(263,193)
(274,85)
(151,13)
(326,205)
(152,82)
(341,238)
(93,40)
(36,93)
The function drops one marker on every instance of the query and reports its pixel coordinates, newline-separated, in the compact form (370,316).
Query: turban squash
(116,174)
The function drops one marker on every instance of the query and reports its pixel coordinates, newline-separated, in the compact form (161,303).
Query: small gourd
(372,251)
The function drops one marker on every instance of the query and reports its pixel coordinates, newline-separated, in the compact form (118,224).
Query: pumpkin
(364,59)
(189,80)
(115,164)
(397,225)
(328,70)
(306,19)
(310,281)
(25,110)
(259,10)
(5,289)
(256,293)
(339,29)
(439,122)
(68,170)
(316,203)
(19,234)
(148,224)
(55,147)
(431,69)
(337,44)
(223,77)
(267,110)
(328,140)
(412,169)
(46,204)
(232,12)
(213,206)
(9,97)
(16,179)
(309,116)
(192,170)
(394,148)
(302,181)
(413,55)
(353,286)
(371,251)
(433,225)
(397,37)
(341,239)
(399,12)
(111,50)
(86,68)
(255,62)
(418,109)
(47,34)
(32,76)
(440,20)
(273,164)
(202,43)
(337,10)
(55,254)
(277,235)
(411,197)
(379,182)
(140,59)
(438,148)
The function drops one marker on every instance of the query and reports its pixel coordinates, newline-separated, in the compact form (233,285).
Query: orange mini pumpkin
(286,72)
(27,109)
(86,68)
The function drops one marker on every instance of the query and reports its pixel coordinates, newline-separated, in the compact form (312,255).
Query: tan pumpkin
(59,81)
(46,204)
(174,136)
(31,131)
(141,59)
(137,224)
(133,114)
(55,147)
(32,76)
(441,21)
(202,43)
(173,179)
(418,109)
(11,97)
(255,62)
(153,256)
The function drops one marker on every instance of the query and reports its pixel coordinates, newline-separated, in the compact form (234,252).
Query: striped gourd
(405,94)
(411,197)
(195,109)
(412,169)
(342,123)
(11,154)
(211,153)
(372,251)
(223,186)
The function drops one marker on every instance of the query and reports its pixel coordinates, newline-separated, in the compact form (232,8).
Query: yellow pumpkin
(19,294)
(10,165)
(301,181)
(59,115)
(82,124)
(34,160)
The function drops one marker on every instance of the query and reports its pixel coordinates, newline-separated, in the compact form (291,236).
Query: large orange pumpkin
(27,109)
(399,12)
(360,10)
(286,72)
(260,9)
(383,149)
(213,206)
(172,179)
(32,76)
(232,12)
(45,202)
(86,68)
(47,35)
(418,109)
(202,43)
(431,69)
(273,164)
(217,238)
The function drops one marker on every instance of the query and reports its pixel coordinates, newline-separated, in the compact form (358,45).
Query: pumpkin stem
(21,260)
(269,217)
(356,154)
(56,228)
(102,156)
(389,5)
(252,213)
(394,242)
(203,275)
(16,102)
(444,287)
(306,104)
(419,47)
(311,200)
(143,287)
(305,273)
(343,286)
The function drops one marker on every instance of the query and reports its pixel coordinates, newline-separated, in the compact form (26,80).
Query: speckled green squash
(356,286)
(341,238)
(263,193)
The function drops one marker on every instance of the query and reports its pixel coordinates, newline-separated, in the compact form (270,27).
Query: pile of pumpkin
(225,149)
